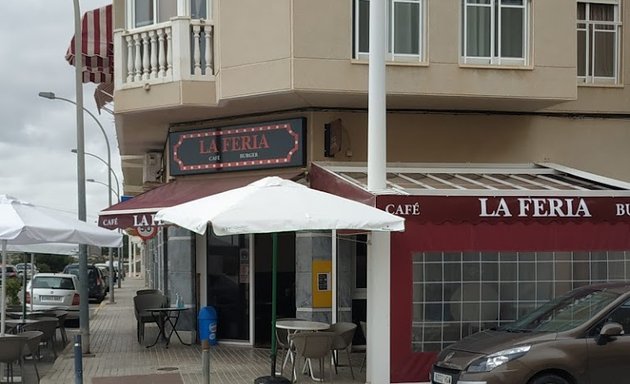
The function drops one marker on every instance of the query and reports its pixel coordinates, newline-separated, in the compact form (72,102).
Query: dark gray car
(582,337)
(96,283)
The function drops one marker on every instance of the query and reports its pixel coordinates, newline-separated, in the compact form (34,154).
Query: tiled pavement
(116,353)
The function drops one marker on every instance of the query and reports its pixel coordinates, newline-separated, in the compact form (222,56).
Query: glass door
(228,284)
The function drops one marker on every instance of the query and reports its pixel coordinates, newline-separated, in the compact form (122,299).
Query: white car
(54,290)
(29,268)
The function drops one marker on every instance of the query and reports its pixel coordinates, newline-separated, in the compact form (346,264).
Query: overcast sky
(38,134)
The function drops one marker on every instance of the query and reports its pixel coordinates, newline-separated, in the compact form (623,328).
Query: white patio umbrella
(22,223)
(273,205)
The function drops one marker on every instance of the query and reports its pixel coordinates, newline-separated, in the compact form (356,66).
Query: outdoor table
(293,326)
(169,314)
(19,323)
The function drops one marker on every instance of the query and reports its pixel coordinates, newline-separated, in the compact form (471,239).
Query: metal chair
(282,340)
(140,304)
(312,345)
(344,333)
(32,347)
(11,350)
(147,291)
(47,325)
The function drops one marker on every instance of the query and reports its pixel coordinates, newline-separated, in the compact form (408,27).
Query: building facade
(489,82)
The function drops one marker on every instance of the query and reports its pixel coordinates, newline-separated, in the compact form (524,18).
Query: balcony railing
(180,49)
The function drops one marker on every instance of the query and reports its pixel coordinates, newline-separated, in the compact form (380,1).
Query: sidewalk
(118,358)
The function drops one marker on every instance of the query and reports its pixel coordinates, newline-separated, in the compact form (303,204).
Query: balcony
(178,50)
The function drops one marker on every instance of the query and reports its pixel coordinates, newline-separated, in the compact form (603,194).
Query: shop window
(405,26)
(479,290)
(495,32)
(598,41)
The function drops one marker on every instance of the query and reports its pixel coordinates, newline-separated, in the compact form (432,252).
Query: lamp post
(84,308)
(80,151)
(111,257)
(110,169)
(101,183)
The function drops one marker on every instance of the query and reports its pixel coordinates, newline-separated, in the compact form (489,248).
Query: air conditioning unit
(152,169)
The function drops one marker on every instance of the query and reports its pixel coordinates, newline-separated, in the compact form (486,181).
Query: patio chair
(312,345)
(61,324)
(140,304)
(47,325)
(147,291)
(282,340)
(32,347)
(344,332)
(11,350)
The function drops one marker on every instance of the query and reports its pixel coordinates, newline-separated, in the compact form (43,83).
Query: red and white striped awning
(97,46)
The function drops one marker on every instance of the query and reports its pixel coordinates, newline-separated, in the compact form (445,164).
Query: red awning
(97,46)
(137,213)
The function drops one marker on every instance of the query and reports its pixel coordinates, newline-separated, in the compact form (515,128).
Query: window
(149,12)
(495,32)
(404,25)
(598,34)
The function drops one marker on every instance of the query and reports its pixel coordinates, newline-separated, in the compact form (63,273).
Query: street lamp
(81,153)
(110,169)
(100,182)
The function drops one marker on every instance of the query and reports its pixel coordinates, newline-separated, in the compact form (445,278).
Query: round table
(302,325)
(169,314)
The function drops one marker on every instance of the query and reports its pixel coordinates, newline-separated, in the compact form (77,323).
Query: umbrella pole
(4,288)
(274,288)
(24,276)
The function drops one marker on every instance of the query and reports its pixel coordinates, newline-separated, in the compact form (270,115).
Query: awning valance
(137,213)
(97,46)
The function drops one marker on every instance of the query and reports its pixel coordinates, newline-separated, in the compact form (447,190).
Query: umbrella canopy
(22,223)
(273,205)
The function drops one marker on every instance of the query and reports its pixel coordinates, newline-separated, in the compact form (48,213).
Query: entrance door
(286,282)
(228,284)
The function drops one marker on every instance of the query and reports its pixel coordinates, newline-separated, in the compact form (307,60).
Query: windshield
(53,282)
(565,312)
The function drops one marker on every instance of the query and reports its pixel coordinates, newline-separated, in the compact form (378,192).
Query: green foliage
(54,263)
(13,289)
(43,268)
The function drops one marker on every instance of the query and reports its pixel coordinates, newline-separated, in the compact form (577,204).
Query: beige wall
(594,145)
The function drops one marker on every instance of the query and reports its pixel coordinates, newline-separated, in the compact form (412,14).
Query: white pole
(4,288)
(334,275)
(378,262)
(377,109)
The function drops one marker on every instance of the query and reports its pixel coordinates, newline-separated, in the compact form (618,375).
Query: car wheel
(549,379)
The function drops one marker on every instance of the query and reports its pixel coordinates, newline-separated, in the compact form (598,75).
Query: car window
(620,315)
(565,312)
(53,282)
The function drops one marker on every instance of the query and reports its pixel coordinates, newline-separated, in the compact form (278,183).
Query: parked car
(54,290)
(27,269)
(96,285)
(105,274)
(106,267)
(580,337)
(11,272)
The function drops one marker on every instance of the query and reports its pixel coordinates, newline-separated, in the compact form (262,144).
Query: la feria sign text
(474,209)
(273,144)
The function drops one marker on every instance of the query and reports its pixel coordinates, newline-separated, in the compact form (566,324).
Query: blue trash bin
(207,322)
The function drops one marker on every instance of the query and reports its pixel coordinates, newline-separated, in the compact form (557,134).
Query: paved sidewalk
(118,354)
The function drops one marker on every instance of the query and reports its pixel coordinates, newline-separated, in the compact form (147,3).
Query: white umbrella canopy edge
(22,223)
(273,204)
